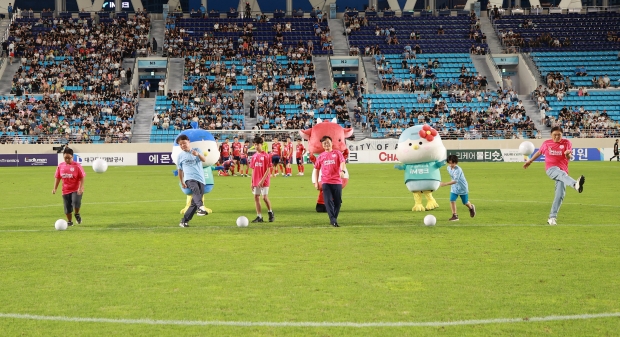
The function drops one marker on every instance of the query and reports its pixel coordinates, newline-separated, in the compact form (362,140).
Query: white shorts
(260,190)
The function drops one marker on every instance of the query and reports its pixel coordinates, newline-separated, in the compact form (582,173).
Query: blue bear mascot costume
(422,153)
(204,141)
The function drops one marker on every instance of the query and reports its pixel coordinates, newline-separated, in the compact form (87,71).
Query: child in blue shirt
(459,188)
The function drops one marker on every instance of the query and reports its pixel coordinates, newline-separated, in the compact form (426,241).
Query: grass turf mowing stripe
(309,324)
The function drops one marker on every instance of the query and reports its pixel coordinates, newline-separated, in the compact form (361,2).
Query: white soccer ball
(60,225)
(242,221)
(430,220)
(100,165)
(526,148)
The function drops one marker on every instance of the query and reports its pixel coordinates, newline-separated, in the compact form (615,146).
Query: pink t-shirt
(261,162)
(70,175)
(329,164)
(554,153)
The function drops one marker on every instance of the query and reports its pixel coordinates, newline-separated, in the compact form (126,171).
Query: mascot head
(419,144)
(326,128)
(200,139)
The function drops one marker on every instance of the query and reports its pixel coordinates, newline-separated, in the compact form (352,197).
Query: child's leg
(267,202)
(257,203)
(453,207)
(466,202)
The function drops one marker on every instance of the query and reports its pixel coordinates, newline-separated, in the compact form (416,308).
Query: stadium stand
(38,119)
(174,112)
(388,35)
(480,114)
(594,69)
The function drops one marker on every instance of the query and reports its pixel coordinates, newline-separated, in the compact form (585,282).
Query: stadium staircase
(175,74)
(157,32)
(532,111)
(482,66)
(248,96)
(128,63)
(372,76)
(7,77)
(495,45)
(339,40)
(143,120)
(321,72)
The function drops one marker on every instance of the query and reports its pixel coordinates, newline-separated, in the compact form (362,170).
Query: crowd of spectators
(212,111)
(422,77)
(308,106)
(576,121)
(266,73)
(178,42)
(504,116)
(62,120)
(76,52)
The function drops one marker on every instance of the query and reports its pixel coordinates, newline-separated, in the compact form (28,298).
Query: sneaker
(454,218)
(579,184)
(183,224)
(258,219)
(552,222)
(472,211)
(271,217)
(69,223)
(202,211)
(78,218)
(335,224)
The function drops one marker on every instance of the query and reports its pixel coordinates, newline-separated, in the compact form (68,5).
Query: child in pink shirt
(72,176)
(331,164)
(557,152)
(261,168)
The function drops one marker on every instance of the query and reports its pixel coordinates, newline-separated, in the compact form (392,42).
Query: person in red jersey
(72,175)
(331,164)
(243,158)
(236,152)
(276,154)
(287,156)
(300,150)
(557,152)
(261,165)
(224,151)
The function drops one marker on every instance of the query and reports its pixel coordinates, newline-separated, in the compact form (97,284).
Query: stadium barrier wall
(364,151)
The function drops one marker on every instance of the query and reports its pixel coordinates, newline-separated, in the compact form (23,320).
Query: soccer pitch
(130,269)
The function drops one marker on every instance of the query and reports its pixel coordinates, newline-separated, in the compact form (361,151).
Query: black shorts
(287,161)
(275,160)
(299,161)
(243,161)
(236,158)
(71,201)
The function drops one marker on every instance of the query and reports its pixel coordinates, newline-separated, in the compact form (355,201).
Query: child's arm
(262,181)
(181,178)
(442,184)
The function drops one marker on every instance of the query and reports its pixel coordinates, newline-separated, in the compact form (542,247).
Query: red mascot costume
(338,135)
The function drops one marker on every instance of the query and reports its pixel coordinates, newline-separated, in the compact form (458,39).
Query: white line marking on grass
(309,324)
(180,201)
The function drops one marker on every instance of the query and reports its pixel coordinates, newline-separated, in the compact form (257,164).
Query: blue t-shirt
(191,166)
(461,187)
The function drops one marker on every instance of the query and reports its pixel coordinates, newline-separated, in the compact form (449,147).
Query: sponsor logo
(329,162)
(35,160)
(419,171)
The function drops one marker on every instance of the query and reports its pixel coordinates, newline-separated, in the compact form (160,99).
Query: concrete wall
(147,147)
(527,80)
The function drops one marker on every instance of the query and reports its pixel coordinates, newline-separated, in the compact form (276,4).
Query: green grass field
(129,260)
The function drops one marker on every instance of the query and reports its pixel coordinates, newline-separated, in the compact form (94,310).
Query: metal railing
(495,67)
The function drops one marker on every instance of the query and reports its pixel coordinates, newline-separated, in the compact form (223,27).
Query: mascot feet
(418,208)
(431,203)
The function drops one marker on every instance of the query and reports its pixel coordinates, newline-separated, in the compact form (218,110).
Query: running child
(459,188)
